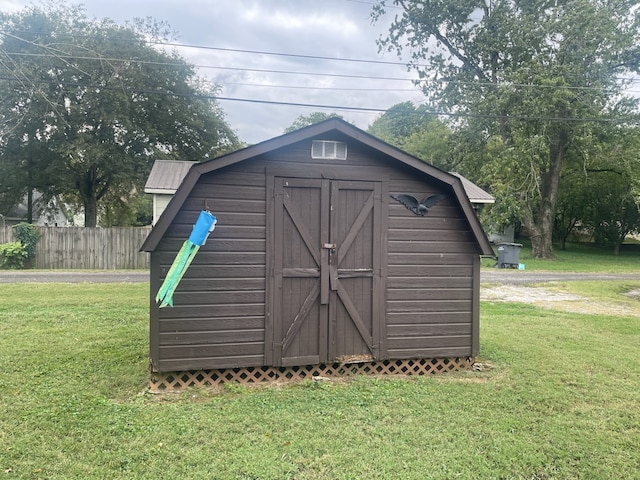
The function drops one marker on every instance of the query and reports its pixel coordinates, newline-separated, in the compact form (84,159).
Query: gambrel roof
(332,125)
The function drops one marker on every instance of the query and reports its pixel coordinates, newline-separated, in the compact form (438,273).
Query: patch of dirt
(635,294)
(524,294)
(557,300)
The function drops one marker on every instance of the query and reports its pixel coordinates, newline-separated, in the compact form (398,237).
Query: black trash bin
(508,255)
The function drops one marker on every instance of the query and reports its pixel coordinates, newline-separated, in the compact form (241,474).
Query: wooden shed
(314,262)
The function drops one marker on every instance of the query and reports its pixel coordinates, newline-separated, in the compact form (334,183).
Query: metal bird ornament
(419,208)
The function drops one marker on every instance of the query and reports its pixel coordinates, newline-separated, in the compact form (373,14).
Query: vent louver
(328,150)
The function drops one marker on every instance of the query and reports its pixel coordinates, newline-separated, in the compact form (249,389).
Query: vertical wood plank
(271,290)
(154,312)
(475,320)
(278,239)
(76,248)
(379,257)
(325,206)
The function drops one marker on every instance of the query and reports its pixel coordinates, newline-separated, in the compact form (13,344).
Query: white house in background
(51,213)
(164,179)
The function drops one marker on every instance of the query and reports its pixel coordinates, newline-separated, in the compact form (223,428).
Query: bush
(28,235)
(13,255)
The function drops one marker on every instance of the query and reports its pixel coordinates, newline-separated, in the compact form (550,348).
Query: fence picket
(72,248)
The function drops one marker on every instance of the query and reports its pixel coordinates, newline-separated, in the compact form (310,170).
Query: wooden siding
(430,287)
(429,300)
(218,319)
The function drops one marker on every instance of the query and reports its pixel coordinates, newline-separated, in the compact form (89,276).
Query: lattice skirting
(176,381)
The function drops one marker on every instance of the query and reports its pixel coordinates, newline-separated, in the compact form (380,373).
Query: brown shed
(313,262)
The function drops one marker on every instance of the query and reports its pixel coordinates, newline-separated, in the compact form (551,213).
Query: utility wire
(279,54)
(304,56)
(307,87)
(214,67)
(424,83)
(330,107)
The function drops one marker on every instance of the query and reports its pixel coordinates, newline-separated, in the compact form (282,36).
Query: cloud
(331,28)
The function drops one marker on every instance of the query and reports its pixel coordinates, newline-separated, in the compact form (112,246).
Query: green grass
(562,401)
(581,257)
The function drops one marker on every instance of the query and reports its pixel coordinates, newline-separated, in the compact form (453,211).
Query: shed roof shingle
(474,192)
(166,176)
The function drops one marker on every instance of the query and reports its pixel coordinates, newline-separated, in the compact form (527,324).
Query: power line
(239,50)
(425,83)
(304,56)
(279,54)
(214,67)
(307,87)
(329,107)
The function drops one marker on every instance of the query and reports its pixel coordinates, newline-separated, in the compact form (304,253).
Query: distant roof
(166,176)
(474,192)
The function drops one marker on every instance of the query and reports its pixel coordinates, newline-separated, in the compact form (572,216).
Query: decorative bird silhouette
(419,208)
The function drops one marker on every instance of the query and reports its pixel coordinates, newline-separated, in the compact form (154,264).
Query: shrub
(28,235)
(13,255)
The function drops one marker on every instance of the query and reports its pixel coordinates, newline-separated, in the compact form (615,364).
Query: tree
(615,214)
(312,118)
(89,104)
(24,153)
(416,131)
(400,122)
(598,187)
(534,78)
(572,209)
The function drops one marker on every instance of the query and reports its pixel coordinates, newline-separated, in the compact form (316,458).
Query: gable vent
(329,150)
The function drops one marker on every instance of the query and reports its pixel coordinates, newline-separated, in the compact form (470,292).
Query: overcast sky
(325,28)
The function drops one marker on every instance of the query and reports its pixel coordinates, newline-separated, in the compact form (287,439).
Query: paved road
(503,276)
(78,276)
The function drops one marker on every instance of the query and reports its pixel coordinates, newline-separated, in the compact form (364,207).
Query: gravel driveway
(519,287)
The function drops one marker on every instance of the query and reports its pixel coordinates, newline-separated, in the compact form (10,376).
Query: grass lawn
(561,401)
(580,257)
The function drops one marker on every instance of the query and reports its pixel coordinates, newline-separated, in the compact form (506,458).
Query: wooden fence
(116,248)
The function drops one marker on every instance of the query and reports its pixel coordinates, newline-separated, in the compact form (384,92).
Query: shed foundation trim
(177,381)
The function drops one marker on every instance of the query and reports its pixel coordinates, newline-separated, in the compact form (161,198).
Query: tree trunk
(30,205)
(542,245)
(90,212)
(540,221)
(87,190)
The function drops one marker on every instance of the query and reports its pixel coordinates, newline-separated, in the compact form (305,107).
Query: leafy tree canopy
(416,131)
(312,118)
(532,80)
(87,105)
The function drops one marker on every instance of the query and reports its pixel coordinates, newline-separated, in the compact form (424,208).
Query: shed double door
(326,291)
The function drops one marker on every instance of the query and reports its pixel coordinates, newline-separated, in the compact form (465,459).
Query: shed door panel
(325,279)
(354,325)
(299,317)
